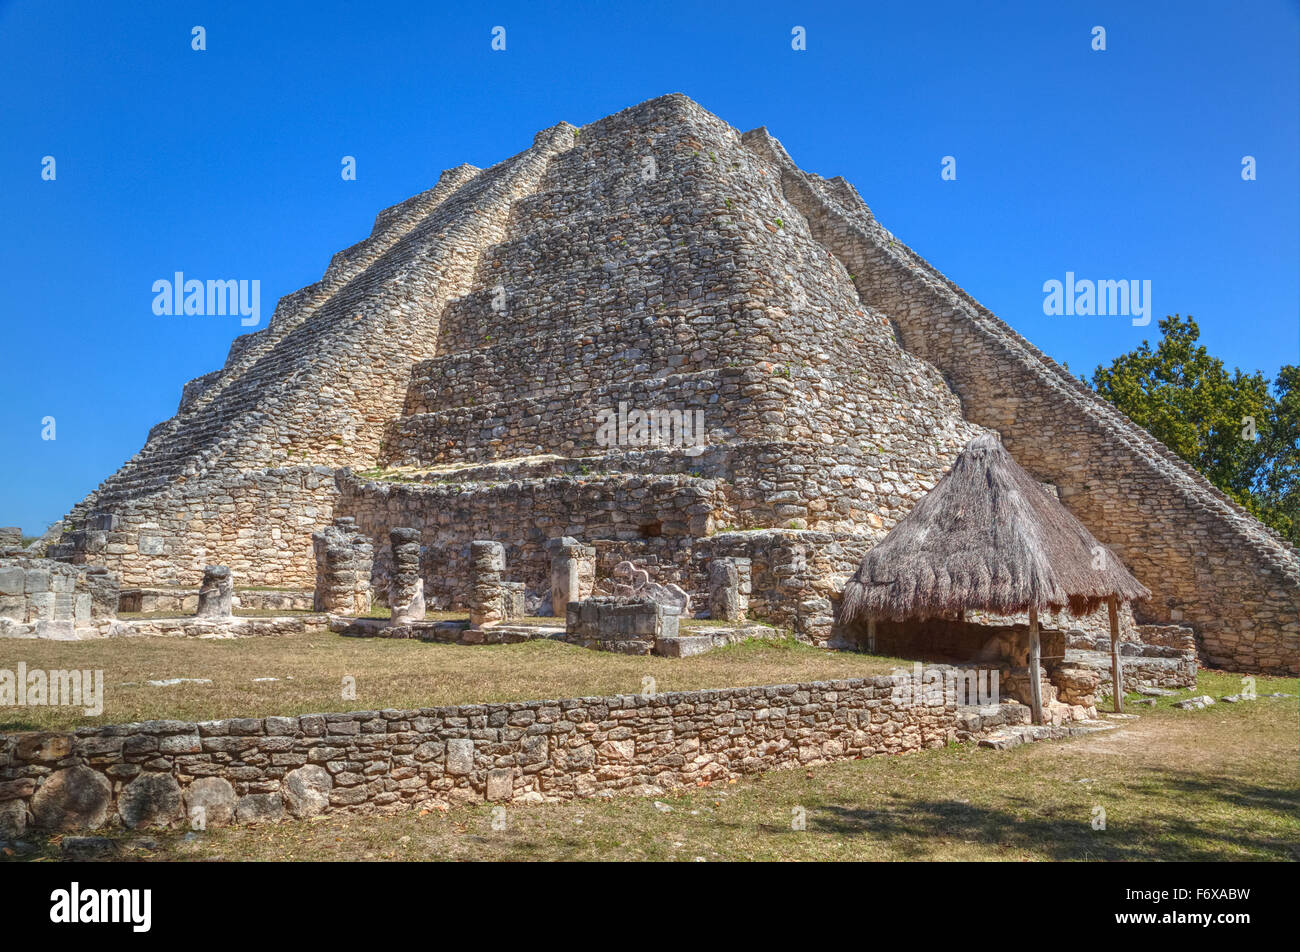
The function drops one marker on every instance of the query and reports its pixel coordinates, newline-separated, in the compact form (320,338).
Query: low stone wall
(1160,656)
(236,626)
(189,626)
(250,770)
(1143,665)
(187,599)
(44,598)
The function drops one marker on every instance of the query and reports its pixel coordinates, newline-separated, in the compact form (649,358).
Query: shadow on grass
(1154,819)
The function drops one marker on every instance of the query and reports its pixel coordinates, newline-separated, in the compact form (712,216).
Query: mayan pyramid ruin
(456,370)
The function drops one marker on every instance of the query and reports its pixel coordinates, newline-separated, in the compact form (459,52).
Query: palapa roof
(987,536)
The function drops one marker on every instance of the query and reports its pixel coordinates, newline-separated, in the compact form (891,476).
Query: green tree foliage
(1190,402)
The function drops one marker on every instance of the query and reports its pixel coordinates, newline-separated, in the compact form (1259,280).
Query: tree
(1278,493)
(1240,435)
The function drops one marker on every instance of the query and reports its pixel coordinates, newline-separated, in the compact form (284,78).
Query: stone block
(209,802)
(40,606)
(76,798)
(12,580)
(13,607)
(259,808)
(306,790)
(500,784)
(460,756)
(151,799)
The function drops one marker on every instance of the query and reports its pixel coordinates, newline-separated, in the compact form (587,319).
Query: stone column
(216,594)
(104,588)
(730,582)
(406,585)
(344,559)
(573,572)
(487,563)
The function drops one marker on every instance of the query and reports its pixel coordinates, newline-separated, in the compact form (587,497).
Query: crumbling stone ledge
(255,770)
(189,626)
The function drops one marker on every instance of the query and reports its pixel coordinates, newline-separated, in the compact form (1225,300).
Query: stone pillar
(216,594)
(104,589)
(344,559)
(730,582)
(406,585)
(573,572)
(487,599)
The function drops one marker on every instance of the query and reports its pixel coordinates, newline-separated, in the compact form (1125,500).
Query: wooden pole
(871,635)
(1035,667)
(1116,674)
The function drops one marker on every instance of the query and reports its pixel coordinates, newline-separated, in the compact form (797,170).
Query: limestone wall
(259,523)
(44,598)
(250,770)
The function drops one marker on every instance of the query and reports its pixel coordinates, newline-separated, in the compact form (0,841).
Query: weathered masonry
(252,770)
(456,370)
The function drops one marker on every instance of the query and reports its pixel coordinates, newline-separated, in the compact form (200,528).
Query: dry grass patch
(389,674)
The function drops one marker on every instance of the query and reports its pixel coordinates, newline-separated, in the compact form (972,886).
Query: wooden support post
(871,635)
(1035,667)
(1116,673)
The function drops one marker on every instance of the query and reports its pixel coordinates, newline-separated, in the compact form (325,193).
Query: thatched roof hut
(988,536)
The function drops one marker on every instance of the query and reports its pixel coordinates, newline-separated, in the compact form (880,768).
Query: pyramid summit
(784,377)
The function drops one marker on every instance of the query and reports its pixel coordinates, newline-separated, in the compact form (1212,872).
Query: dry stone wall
(259,523)
(254,770)
(44,598)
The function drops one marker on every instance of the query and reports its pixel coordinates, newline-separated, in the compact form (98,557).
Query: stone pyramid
(483,365)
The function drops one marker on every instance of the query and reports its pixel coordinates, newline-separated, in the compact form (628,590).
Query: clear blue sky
(225,163)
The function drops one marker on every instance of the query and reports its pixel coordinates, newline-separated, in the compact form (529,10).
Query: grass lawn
(1218,784)
(389,673)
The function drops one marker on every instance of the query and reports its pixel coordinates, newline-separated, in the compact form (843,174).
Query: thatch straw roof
(988,536)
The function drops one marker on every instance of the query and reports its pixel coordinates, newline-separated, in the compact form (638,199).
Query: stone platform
(697,641)
(684,644)
(448,632)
